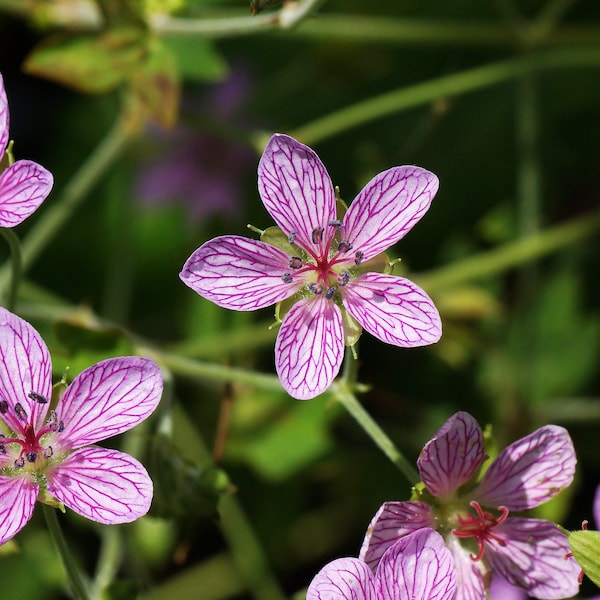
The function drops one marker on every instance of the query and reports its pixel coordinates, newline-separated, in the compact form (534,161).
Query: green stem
(78,587)
(109,561)
(16,270)
(447,86)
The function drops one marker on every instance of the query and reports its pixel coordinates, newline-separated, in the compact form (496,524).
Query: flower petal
(103,485)
(417,567)
(500,589)
(393,521)
(531,554)
(23,187)
(597,508)
(387,208)
(25,367)
(469,574)
(238,273)
(343,579)
(309,347)
(393,309)
(452,456)
(297,190)
(108,398)
(17,501)
(4,118)
(530,471)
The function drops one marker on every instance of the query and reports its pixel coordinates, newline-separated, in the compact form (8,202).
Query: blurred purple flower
(202,171)
(416,567)
(330,264)
(597,508)
(529,553)
(24,184)
(48,453)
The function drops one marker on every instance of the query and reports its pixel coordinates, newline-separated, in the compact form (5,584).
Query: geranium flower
(416,567)
(24,185)
(327,264)
(473,516)
(46,454)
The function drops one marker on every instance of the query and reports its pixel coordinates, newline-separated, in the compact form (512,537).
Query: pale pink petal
(103,485)
(17,500)
(597,508)
(393,521)
(107,399)
(297,191)
(531,554)
(500,589)
(530,471)
(343,579)
(388,207)
(309,347)
(417,567)
(4,118)
(452,456)
(393,309)
(23,187)
(25,367)
(470,574)
(241,274)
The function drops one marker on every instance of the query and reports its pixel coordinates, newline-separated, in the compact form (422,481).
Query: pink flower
(47,453)
(325,263)
(528,553)
(416,567)
(24,185)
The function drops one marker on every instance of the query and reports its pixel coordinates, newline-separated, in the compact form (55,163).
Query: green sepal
(340,207)
(352,328)
(45,497)
(197,59)
(275,237)
(585,546)
(283,308)
(378,264)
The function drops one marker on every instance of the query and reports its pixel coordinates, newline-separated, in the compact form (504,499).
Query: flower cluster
(24,184)
(48,454)
(323,264)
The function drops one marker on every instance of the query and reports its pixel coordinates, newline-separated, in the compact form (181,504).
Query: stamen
(337,223)
(31,457)
(20,411)
(37,397)
(343,278)
(287,278)
(358,257)
(344,246)
(48,452)
(3,407)
(330,292)
(20,462)
(316,288)
(295,262)
(61,427)
(317,235)
(292,237)
(2,449)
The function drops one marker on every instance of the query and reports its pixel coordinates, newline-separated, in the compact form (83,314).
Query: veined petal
(530,471)
(23,187)
(531,554)
(387,208)
(343,579)
(393,309)
(17,501)
(25,367)
(297,190)
(108,398)
(238,273)
(309,347)
(452,456)
(4,118)
(103,485)
(417,567)
(469,574)
(391,522)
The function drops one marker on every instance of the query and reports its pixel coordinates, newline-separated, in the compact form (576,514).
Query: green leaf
(585,546)
(89,63)
(197,59)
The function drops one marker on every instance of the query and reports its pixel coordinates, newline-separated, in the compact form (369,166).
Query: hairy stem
(16,266)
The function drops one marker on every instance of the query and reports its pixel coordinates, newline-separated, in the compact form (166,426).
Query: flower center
(480,526)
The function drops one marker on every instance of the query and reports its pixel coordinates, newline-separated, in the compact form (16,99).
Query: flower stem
(73,574)
(109,561)
(16,270)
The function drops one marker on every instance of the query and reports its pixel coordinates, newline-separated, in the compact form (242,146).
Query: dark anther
(61,427)
(31,457)
(287,278)
(48,452)
(295,263)
(344,246)
(335,223)
(317,235)
(20,462)
(343,278)
(316,288)
(3,407)
(330,292)
(358,257)
(37,397)
(2,449)
(20,412)
(292,237)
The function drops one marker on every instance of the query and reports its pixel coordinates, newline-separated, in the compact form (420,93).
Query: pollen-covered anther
(343,278)
(48,452)
(37,397)
(292,237)
(330,292)
(295,262)
(337,224)
(53,424)
(317,235)
(316,288)
(20,462)
(344,246)
(358,257)
(287,278)
(31,457)
(20,412)
(3,407)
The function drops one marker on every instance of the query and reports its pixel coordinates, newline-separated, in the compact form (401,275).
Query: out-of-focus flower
(327,261)
(416,567)
(47,453)
(24,184)
(597,507)
(528,553)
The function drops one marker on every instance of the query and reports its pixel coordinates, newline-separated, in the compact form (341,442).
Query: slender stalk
(109,561)
(16,266)
(74,575)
